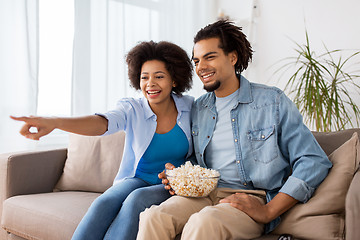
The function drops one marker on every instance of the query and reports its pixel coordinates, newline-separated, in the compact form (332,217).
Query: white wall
(280,22)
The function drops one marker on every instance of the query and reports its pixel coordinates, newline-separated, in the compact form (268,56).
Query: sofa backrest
(329,141)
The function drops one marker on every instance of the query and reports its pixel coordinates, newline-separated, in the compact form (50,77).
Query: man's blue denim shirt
(275,151)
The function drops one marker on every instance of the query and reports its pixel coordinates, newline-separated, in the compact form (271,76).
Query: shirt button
(213,117)
(233,119)
(262,136)
(235,140)
(238,161)
(193,132)
(244,184)
(208,136)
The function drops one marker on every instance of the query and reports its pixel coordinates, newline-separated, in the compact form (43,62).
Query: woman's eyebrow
(154,72)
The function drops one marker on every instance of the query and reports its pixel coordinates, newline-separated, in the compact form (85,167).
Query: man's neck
(228,88)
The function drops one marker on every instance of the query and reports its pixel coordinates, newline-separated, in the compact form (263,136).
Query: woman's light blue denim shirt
(135,117)
(274,150)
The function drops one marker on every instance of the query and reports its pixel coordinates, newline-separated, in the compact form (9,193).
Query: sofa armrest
(31,172)
(352,207)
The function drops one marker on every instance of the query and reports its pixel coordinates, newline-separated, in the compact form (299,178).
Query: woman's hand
(165,181)
(43,125)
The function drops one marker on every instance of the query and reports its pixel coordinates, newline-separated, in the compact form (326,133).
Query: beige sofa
(30,208)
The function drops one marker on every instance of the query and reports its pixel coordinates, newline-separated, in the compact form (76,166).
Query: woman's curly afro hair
(175,58)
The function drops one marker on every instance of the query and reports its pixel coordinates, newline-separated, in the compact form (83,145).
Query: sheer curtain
(106,30)
(18,68)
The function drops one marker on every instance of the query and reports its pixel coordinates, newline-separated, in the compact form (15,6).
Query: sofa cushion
(92,162)
(352,206)
(52,216)
(330,141)
(322,217)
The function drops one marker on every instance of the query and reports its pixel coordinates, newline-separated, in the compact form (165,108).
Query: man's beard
(212,87)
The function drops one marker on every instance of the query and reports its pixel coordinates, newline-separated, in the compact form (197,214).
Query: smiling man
(254,136)
(215,68)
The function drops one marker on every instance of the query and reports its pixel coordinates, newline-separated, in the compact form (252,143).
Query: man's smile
(207,76)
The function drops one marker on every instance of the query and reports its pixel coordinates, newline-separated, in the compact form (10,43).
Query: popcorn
(192,180)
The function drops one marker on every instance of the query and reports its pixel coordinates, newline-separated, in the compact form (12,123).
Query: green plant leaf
(320,86)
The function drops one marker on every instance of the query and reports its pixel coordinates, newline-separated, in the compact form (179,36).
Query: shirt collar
(180,103)
(148,113)
(245,93)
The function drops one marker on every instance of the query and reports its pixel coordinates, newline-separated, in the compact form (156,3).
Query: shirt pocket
(263,144)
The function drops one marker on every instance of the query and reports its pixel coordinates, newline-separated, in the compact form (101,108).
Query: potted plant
(321,87)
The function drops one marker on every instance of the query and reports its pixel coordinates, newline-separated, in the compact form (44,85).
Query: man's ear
(233,57)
